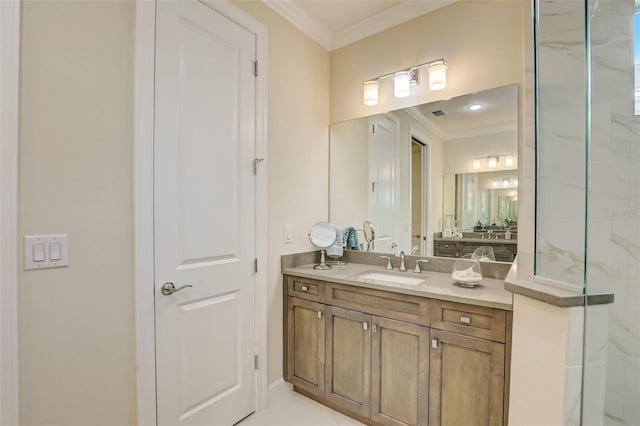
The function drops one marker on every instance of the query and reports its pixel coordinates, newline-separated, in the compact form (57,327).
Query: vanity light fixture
(492,162)
(495,183)
(505,182)
(403,80)
(508,160)
(476,164)
(371,92)
(402,83)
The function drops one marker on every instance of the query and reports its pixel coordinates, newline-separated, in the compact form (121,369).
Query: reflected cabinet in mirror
(443,171)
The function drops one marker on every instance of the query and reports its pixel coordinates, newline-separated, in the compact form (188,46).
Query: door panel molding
(144,67)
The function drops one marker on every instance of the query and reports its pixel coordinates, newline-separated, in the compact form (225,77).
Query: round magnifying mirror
(323,235)
(369,234)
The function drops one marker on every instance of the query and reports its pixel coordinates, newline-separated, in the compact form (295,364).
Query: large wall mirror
(448,166)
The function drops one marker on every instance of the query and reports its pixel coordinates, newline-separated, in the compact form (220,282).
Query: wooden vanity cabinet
(400,373)
(457,248)
(467,381)
(348,359)
(306,345)
(432,363)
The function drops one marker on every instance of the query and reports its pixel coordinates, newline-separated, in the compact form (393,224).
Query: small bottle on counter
(507,234)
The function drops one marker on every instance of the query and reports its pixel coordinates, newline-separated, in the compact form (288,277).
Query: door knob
(168,288)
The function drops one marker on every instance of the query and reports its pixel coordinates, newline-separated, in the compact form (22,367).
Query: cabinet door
(348,359)
(400,373)
(467,379)
(305,345)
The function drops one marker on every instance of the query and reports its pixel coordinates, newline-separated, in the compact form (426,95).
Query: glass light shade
(495,183)
(438,75)
(492,162)
(401,84)
(505,182)
(508,160)
(371,92)
(476,164)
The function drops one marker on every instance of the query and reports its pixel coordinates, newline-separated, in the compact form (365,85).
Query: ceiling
(499,113)
(336,23)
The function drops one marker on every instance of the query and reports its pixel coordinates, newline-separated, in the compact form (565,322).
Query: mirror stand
(323,262)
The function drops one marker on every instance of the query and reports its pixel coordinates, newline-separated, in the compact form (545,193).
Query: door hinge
(255,361)
(255,265)
(256,163)
(373,128)
(255,68)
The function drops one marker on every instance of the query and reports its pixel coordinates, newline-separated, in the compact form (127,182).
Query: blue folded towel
(351,238)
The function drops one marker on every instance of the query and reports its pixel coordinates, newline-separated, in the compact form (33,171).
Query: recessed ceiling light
(474,107)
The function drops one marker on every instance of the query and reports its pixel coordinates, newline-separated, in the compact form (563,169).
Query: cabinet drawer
(445,245)
(445,253)
(469,320)
(403,307)
(305,288)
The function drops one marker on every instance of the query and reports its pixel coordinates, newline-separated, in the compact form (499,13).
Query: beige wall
(75,177)
(481,40)
(298,152)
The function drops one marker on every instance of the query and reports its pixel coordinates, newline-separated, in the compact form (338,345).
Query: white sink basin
(387,278)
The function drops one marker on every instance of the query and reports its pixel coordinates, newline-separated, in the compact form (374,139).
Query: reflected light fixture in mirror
(508,160)
(404,79)
(476,164)
(492,162)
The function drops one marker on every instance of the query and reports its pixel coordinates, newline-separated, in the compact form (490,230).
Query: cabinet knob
(305,288)
(465,320)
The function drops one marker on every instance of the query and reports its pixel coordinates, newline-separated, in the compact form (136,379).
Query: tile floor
(287,408)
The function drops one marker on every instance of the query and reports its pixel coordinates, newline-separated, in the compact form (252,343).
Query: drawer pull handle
(365,326)
(305,288)
(319,314)
(465,320)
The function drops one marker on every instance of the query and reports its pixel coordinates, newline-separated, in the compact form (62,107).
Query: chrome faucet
(389,267)
(402,267)
(417,269)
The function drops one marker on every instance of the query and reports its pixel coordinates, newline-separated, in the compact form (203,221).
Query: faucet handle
(389,267)
(417,269)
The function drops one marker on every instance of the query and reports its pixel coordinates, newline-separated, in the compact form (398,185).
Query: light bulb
(476,164)
(371,92)
(401,84)
(438,75)
(508,160)
(492,162)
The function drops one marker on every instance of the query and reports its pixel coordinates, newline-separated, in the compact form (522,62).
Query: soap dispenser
(507,234)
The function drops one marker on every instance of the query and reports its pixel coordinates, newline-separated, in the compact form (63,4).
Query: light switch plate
(288,234)
(60,243)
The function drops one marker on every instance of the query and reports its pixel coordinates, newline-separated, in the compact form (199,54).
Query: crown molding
(302,21)
(386,19)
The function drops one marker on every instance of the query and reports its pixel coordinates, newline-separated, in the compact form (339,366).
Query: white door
(204,211)
(383,136)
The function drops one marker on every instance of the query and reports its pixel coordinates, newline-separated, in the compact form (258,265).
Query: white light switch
(55,251)
(46,251)
(288,234)
(39,254)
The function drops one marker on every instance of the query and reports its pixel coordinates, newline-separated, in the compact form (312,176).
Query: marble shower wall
(613,226)
(609,174)
(561,206)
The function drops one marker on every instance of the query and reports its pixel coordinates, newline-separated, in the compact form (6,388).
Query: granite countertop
(477,240)
(489,292)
